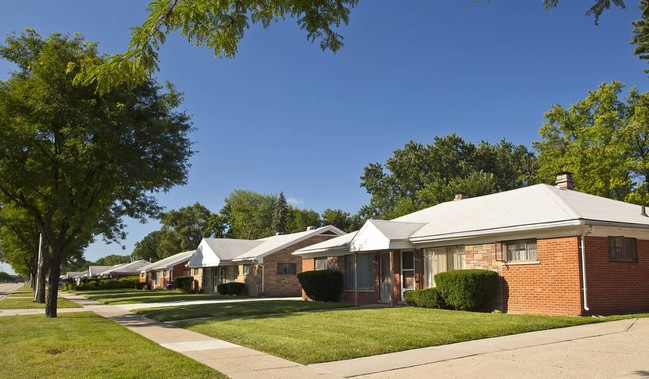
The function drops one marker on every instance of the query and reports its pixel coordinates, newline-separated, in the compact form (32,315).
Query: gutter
(583,266)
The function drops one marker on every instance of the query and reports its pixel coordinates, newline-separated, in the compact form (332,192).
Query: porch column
(356,278)
(392,281)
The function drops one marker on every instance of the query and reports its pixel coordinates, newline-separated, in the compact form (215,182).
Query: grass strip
(84,345)
(229,310)
(351,333)
(128,296)
(23,298)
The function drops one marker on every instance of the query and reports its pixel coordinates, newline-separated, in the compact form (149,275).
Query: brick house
(558,251)
(165,270)
(267,265)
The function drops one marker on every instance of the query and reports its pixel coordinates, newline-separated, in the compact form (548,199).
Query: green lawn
(311,337)
(23,299)
(84,345)
(228,310)
(130,296)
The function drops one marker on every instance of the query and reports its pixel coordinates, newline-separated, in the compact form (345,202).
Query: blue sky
(285,116)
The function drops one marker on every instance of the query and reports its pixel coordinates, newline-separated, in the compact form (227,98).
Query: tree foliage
(280,214)
(419,176)
(183,229)
(248,214)
(78,161)
(602,140)
(341,220)
(219,25)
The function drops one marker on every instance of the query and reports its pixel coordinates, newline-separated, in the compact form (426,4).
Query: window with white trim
(442,259)
(365,271)
(521,251)
(321,263)
(246,269)
(286,268)
(622,249)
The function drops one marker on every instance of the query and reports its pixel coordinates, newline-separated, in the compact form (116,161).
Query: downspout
(356,278)
(583,267)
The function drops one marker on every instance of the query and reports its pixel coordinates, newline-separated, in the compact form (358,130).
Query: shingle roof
(536,206)
(273,244)
(335,244)
(126,268)
(169,262)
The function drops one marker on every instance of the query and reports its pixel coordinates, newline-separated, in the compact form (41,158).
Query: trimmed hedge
(322,285)
(110,284)
(231,288)
(466,290)
(184,283)
(426,298)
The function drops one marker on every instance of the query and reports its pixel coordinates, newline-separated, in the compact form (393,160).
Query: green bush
(222,289)
(231,288)
(110,284)
(322,285)
(184,283)
(235,288)
(466,290)
(426,298)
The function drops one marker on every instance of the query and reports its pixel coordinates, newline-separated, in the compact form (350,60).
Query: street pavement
(617,349)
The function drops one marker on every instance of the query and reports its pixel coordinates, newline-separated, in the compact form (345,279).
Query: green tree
(280,213)
(583,140)
(19,238)
(340,219)
(147,248)
(219,25)
(78,161)
(602,140)
(419,176)
(112,260)
(183,229)
(300,219)
(249,214)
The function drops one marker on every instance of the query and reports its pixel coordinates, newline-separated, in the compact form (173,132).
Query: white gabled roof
(384,235)
(96,270)
(337,244)
(212,251)
(536,207)
(276,243)
(169,262)
(531,210)
(126,268)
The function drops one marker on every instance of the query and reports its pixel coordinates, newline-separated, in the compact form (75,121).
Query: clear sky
(285,116)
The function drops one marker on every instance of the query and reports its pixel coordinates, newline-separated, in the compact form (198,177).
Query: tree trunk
(41,275)
(53,285)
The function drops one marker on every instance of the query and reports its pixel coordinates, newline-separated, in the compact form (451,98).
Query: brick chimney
(564,181)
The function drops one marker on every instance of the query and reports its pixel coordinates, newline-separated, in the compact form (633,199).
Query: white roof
(212,251)
(126,268)
(384,235)
(535,207)
(96,270)
(274,244)
(169,262)
(337,244)
(528,210)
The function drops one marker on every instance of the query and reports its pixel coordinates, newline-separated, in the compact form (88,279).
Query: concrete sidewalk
(605,350)
(232,360)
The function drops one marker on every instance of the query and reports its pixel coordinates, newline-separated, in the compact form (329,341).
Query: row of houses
(557,252)
(107,272)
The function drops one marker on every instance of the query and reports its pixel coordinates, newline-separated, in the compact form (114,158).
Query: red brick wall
(616,287)
(551,287)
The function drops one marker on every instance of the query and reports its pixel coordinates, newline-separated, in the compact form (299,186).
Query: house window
(622,249)
(365,271)
(521,251)
(231,273)
(442,259)
(246,269)
(321,263)
(286,268)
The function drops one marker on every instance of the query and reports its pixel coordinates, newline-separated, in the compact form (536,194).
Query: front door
(407,271)
(386,278)
(208,279)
